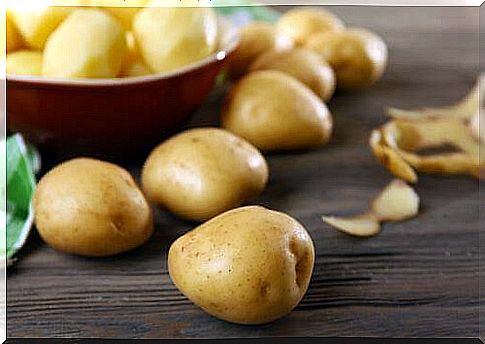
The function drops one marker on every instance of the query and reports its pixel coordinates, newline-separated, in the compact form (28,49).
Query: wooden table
(417,278)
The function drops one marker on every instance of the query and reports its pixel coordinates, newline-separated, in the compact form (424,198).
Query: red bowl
(112,116)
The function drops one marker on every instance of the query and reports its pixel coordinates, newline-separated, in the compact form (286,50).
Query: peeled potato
(11,39)
(249,265)
(79,50)
(36,23)
(305,65)
(299,24)
(172,37)
(358,57)
(24,62)
(275,111)
(91,208)
(255,39)
(123,10)
(203,172)
(133,64)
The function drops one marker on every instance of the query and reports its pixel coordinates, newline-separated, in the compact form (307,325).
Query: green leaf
(20,186)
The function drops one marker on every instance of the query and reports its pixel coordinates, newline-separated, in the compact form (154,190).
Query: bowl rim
(230,35)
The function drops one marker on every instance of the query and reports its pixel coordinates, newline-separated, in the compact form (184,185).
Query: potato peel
(397,142)
(396,202)
(362,225)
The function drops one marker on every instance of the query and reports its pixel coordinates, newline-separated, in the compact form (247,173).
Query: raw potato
(11,38)
(24,62)
(301,23)
(358,57)
(133,64)
(275,111)
(397,202)
(78,50)
(91,208)
(170,38)
(123,10)
(256,38)
(203,172)
(249,265)
(36,23)
(305,65)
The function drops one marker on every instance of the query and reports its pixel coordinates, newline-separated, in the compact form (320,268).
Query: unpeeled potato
(303,64)
(88,44)
(358,57)
(275,111)
(24,62)
(172,37)
(203,172)
(91,208)
(249,265)
(301,23)
(255,39)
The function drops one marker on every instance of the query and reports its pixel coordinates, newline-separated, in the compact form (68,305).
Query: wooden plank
(418,278)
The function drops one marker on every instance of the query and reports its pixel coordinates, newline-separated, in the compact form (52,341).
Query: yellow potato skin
(91,208)
(203,172)
(78,50)
(249,265)
(37,24)
(24,62)
(299,24)
(303,64)
(275,111)
(170,38)
(255,39)
(358,57)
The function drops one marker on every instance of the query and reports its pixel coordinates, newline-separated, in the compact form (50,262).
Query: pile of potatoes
(86,41)
(244,264)
(285,73)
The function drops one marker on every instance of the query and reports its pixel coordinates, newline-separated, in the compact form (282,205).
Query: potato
(275,111)
(305,65)
(91,208)
(133,64)
(24,62)
(123,10)
(203,172)
(358,57)
(170,38)
(299,24)
(36,23)
(78,50)
(10,36)
(255,39)
(249,265)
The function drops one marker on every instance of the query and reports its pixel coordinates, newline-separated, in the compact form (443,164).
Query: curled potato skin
(91,208)
(358,56)
(255,39)
(275,111)
(301,23)
(203,172)
(303,64)
(249,265)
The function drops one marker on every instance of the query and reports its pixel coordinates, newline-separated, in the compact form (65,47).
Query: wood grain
(418,278)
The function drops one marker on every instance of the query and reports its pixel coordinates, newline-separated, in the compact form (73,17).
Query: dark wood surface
(417,278)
